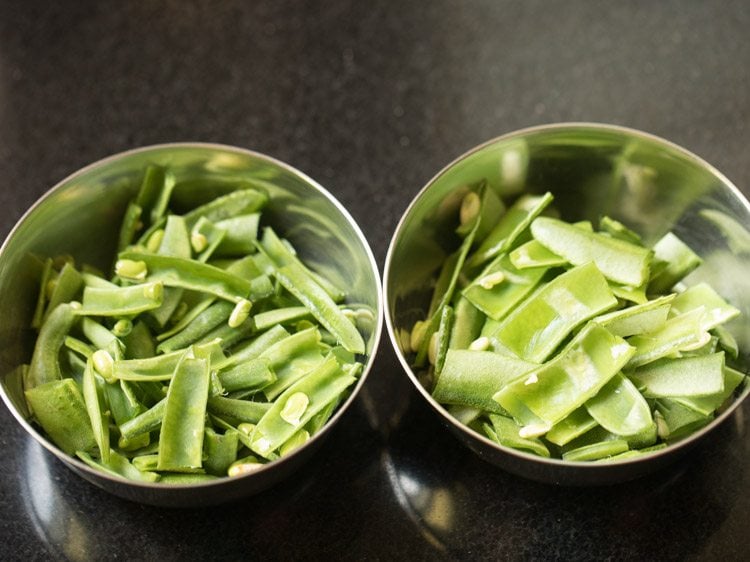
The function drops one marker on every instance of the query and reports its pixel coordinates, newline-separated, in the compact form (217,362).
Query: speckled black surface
(371,99)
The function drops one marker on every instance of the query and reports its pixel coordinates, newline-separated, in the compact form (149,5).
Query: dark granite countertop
(371,99)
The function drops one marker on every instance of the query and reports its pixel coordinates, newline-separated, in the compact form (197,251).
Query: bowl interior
(647,183)
(81,217)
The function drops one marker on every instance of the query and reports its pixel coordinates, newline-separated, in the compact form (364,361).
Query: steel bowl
(643,181)
(81,215)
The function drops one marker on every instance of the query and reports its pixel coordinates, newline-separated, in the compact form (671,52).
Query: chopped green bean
(60,409)
(184,417)
(321,386)
(539,324)
(620,261)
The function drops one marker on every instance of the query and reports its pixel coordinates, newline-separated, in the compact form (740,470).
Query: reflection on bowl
(81,215)
(644,182)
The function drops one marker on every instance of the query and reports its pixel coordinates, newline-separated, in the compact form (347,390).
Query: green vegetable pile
(210,350)
(568,342)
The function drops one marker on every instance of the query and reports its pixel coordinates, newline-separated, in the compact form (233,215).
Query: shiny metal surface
(646,182)
(81,215)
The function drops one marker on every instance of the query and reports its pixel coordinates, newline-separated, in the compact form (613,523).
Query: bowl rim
(288,459)
(456,426)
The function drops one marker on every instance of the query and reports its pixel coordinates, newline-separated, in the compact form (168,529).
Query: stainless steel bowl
(81,216)
(644,181)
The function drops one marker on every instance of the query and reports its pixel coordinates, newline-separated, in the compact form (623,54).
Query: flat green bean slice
(269,318)
(706,405)
(467,324)
(548,394)
(482,204)
(119,466)
(282,254)
(291,359)
(497,299)
(41,303)
(184,417)
(697,376)
(577,423)
(321,386)
(237,411)
(678,333)
(122,301)
(638,319)
(679,420)
(193,275)
(509,228)
(634,453)
(433,322)
(145,422)
(99,420)
(534,254)
(443,337)
(241,235)
(539,324)
(254,374)
(505,431)
(618,230)
(175,242)
(241,201)
(130,226)
(619,408)
(220,450)
(67,288)
(153,196)
(294,279)
(60,409)
(139,343)
(716,310)
(597,451)
(471,378)
(203,323)
(620,261)
(673,260)
(189,316)
(253,348)
(45,365)
(205,238)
